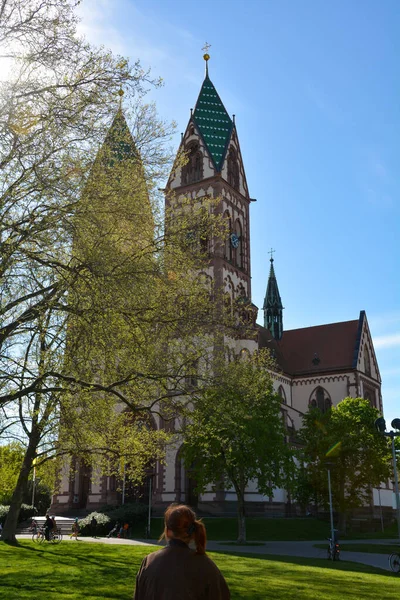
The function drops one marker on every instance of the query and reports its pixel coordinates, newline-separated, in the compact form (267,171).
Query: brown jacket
(178,573)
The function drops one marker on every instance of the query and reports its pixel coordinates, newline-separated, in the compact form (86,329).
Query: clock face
(234,240)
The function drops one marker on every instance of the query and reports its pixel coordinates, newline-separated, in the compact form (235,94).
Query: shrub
(103,524)
(129,513)
(25,513)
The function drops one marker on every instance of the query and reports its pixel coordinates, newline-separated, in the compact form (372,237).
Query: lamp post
(328,464)
(380,424)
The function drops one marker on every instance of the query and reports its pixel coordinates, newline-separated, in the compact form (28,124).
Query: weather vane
(206,47)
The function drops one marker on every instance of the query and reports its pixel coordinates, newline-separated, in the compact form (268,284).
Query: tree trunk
(241,516)
(11,522)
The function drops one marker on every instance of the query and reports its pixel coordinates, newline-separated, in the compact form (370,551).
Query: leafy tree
(90,314)
(11,457)
(235,432)
(344,440)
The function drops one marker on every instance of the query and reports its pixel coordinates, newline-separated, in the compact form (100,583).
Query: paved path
(302,549)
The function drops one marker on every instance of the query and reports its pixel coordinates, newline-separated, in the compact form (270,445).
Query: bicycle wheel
(57,536)
(35,536)
(394,562)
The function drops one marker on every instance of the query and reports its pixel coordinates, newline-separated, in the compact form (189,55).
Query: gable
(232,169)
(192,142)
(365,357)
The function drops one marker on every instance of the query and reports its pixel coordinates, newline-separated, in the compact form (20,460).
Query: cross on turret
(271,252)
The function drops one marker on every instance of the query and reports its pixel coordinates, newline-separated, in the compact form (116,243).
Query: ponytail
(200,537)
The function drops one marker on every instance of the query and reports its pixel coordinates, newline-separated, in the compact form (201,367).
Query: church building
(315,366)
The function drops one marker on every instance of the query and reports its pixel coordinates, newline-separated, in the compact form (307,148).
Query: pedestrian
(48,526)
(125,530)
(75,529)
(177,572)
(34,525)
(115,530)
(54,528)
(93,526)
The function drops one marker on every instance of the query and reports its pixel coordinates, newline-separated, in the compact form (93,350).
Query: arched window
(281,393)
(244,354)
(193,170)
(228,245)
(367,362)
(320,399)
(228,304)
(238,256)
(233,169)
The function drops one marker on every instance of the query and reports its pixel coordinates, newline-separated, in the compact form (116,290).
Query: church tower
(215,169)
(273,309)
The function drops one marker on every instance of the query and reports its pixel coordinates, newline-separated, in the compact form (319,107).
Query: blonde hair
(182,521)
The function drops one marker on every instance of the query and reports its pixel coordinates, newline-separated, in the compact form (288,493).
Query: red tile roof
(317,349)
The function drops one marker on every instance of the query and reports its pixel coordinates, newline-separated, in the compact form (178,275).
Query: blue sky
(315,88)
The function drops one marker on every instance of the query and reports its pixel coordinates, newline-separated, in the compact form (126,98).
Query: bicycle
(394,562)
(39,536)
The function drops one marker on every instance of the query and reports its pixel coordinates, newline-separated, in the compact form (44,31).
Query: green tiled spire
(213,121)
(119,141)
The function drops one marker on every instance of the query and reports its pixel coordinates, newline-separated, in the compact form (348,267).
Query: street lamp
(380,424)
(328,465)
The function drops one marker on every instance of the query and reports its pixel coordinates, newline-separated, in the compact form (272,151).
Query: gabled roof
(213,122)
(319,349)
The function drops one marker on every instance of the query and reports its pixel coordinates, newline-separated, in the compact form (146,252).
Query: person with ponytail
(178,572)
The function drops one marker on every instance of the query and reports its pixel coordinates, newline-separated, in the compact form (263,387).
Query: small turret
(273,309)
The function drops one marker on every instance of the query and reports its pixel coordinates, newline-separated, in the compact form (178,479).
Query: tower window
(233,169)
(228,250)
(238,251)
(367,362)
(192,171)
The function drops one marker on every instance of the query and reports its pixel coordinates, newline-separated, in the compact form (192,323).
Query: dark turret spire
(273,305)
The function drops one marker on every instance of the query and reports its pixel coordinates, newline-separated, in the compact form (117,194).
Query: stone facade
(315,366)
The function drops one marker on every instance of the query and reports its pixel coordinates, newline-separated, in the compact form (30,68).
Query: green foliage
(11,457)
(25,513)
(129,513)
(96,292)
(345,440)
(235,432)
(103,524)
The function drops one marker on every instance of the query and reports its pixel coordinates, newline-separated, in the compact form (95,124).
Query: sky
(315,88)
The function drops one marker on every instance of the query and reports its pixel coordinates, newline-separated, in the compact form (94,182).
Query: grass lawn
(264,529)
(72,571)
(258,529)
